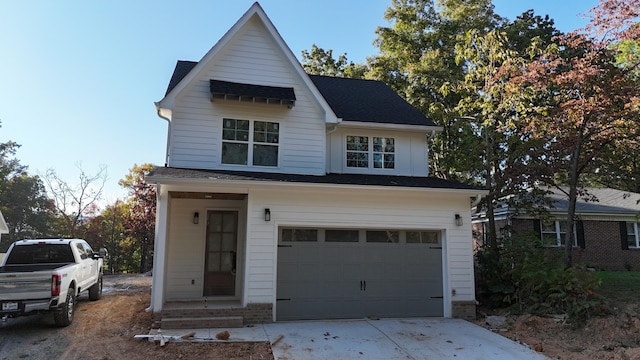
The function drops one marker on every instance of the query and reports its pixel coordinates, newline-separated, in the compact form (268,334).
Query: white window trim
(250,143)
(370,152)
(635,233)
(558,232)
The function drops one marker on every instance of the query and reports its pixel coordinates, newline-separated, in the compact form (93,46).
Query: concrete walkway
(414,338)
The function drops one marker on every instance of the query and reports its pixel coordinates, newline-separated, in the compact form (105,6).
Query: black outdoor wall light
(267,215)
(196,217)
(458,220)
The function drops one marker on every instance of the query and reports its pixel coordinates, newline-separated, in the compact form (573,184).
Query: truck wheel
(95,291)
(64,315)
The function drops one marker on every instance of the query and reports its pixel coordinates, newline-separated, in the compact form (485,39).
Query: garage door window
(378,236)
(297,234)
(341,236)
(422,237)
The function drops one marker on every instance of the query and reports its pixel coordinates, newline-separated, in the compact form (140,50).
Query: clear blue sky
(78,78)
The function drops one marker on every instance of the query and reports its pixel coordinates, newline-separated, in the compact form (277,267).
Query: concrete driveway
(414,338)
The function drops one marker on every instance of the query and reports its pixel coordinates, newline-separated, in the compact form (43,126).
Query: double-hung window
(554,233)
(370,152)
(250,142)
(632,235)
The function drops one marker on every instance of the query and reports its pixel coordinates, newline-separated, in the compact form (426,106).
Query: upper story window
(256,140)
(632,235)
(370,152)
(554,233)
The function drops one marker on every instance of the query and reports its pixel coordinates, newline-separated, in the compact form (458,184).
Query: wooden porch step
(201,322)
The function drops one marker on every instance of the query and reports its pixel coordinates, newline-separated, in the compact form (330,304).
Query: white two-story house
(290,196)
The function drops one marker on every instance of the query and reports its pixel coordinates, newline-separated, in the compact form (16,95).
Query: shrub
(529,277)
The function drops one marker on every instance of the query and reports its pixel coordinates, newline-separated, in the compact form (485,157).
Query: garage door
(333,274)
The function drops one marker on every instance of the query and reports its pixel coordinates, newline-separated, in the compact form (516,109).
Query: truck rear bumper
(26,307)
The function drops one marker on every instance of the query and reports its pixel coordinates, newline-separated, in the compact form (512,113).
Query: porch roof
(163,174)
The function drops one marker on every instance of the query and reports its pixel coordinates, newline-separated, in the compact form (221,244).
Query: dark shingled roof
(367,101)
(341,179)
(239,89)
(181,70)
(350,99)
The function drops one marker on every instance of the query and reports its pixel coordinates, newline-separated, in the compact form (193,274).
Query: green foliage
(317,61)
(530,277)
(23,200)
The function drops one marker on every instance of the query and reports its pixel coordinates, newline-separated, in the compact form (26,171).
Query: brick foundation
(463,310)
(254,313)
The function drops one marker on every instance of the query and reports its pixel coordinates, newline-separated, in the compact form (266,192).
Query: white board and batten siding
(251,57)
(410,152)
(358,209)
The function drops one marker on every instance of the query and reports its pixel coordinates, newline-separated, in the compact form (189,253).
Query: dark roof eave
(175,175)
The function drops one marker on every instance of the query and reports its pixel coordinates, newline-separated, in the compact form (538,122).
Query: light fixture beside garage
(196,217)
(458,220)
(267,214)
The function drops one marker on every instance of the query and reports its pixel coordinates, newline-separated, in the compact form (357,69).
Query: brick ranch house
(606,231)
(289,196)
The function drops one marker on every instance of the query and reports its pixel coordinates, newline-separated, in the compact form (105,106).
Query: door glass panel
(214,242)
(213,262)
(215,222)
(229,224)
(227,262)
(228,242)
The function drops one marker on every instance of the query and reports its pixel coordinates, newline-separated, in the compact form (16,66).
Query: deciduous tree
(593,101)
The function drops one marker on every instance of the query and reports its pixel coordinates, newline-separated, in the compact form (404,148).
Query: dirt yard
(105,330)
(614,337)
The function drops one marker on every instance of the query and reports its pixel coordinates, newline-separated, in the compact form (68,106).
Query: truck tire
(64,315)
(95,291)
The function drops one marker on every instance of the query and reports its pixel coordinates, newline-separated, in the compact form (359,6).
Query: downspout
(166,158)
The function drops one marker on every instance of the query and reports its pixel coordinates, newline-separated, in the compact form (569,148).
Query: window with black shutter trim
(580,234)
(623,235)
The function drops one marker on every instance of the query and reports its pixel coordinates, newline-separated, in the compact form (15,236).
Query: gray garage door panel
(355,280)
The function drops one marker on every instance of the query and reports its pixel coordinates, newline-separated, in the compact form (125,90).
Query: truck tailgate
(22,286)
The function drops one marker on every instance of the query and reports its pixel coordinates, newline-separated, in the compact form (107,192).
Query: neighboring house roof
(169,173)
(367,101)
(601,201)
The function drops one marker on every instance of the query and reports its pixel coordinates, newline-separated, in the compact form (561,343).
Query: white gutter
(159,112)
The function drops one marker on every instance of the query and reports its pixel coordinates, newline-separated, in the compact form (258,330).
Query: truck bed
(31,267)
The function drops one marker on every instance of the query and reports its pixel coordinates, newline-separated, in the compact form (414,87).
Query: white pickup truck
(47,275)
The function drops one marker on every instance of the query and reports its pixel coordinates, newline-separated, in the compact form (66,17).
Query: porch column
(160,249)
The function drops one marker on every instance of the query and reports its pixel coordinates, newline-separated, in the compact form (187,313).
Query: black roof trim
(339,179)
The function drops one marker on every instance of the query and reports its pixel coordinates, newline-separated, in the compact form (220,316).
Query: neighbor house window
(632,235)
(370,152)
(554,233)
(256,140)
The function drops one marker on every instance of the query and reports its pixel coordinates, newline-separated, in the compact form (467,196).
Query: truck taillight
(56,280)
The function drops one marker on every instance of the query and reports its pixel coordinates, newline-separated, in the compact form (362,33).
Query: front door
(220,256)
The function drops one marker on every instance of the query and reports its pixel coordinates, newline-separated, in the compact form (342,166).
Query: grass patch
(622,286)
